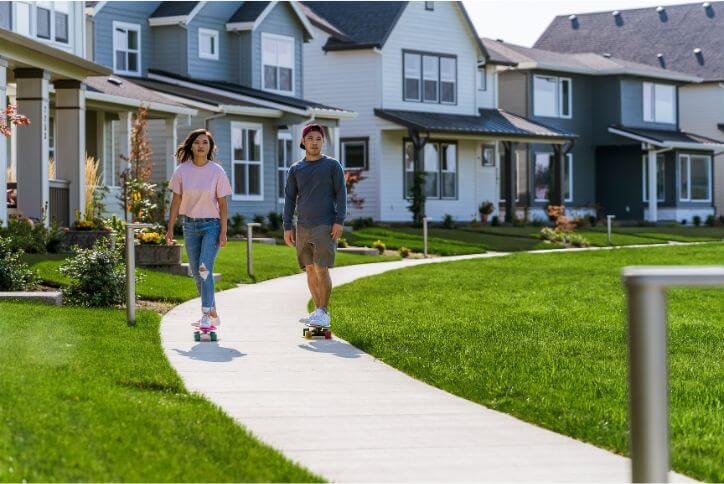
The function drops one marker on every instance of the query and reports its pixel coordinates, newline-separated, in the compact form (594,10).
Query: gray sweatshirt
(318,192)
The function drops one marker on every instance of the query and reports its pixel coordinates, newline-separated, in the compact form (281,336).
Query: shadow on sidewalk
(211,352)
(335,347)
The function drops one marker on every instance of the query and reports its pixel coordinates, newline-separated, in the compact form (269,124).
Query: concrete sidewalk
(349,417)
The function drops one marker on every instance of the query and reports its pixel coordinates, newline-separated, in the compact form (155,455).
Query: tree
(138,192)
(352,178)
(417,203)
(10,116)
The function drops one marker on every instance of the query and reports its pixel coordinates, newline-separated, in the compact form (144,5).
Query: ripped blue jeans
(201,238)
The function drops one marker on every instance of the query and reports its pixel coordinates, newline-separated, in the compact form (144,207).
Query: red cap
(307,129)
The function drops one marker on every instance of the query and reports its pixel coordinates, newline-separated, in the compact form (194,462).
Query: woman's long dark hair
(184,152)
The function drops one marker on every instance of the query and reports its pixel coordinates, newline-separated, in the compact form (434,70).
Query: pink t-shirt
(200,187)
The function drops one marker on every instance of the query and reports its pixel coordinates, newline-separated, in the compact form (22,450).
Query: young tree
(138,191)
(10,116)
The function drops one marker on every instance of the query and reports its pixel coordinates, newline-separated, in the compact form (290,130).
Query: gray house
(629,142)
(686,38)
(238,64)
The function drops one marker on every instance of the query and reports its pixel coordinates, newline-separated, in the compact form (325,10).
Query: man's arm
(290,204)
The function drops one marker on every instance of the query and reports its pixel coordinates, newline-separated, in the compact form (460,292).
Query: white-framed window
(552,96)
(659,103)
(45,20)
(355,153)
(126,48)
(542,177)
(660,178)
(277,52)
(568,178)
(439,160)
(247,173)
(482,79)
(430,6)
(430,78)
(208,44)
(284,160)
(488,155)
(695,178)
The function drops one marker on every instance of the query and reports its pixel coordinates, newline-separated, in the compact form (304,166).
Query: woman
(200,187)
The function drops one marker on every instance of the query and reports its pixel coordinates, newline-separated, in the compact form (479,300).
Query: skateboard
(316,332)
(205,334)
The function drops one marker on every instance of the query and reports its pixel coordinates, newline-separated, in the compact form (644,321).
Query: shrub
(15,275)
(536,222)
(275,221)
(518,222)
(721,219)
(236,224)
(697,220)
(404,252)
(342,242)
(362,223)
(562,237)
(576,240)
(259,219)
(448,222)
(380,246)
(683,221)
(31,236)
(593,220)
(485,209)
(97,276)
(710,221)
(495,221)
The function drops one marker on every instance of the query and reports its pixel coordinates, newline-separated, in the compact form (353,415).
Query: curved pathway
(349,417)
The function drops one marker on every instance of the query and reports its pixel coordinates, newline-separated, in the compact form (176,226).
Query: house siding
(244,66)
(169,49)
(606,110)
(350,80)
(441,31)
(514,93)
(214,16)
(130,12)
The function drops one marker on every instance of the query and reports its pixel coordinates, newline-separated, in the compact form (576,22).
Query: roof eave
(666,144)
(132,102)
(370,45)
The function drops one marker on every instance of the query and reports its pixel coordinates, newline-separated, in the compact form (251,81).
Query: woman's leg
(207,256)
(192,242)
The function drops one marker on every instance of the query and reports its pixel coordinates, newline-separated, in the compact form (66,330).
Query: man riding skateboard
(316,189)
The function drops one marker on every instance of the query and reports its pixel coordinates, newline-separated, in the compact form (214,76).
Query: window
(660,178)
(659,103)
(552,97)
(278,62)
(209,44)
(126,48)
(542,176)
(439,160)
(284,160)
(429,78)
(62,11)
(429,5)
(42,20)
(568,178)
(22,18)
(246,173)
(695,178)
(488,155)
(354,153)
(482,79)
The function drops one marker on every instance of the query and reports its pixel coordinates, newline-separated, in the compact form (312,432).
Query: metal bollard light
(424,237)
(249,251)
(648,372)
(608,223)
(131,271)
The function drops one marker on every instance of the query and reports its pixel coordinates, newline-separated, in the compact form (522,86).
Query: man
(316,188)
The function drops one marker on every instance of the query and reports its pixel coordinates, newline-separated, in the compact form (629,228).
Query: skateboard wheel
(213,336)
(197,336)
(327,335)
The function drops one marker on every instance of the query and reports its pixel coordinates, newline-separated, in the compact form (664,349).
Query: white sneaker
(205,321)
(321,319)
(309,317)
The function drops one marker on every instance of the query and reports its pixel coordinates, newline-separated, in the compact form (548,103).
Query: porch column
(558,181)
(334,140)
(511,177)
(653,196)
(32,143)
(3,147)
(70,142)
(171,142)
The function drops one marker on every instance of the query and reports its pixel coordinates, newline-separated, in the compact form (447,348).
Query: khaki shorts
(315,245)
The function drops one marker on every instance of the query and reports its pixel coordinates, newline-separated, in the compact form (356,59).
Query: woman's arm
(173,214)
(223,213)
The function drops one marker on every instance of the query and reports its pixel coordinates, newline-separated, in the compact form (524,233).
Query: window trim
(213,34)
(365,142)
(569,162)
(559,97)
(286,136)
(127,26)
(33,26)
(483,147)
(652,102)
(284,38)
(235,196)
(430,6)
(483,86)
(645,185)
(688,157)
(439,196)
(421,91)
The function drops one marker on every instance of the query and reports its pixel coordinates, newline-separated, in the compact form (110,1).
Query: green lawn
(270,261)
(86,398)
(543,337)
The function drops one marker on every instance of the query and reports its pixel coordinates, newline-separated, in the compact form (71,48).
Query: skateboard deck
(206,334)
(316,332)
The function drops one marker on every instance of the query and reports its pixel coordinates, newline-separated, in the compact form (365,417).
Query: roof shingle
(248,12)
(173,9)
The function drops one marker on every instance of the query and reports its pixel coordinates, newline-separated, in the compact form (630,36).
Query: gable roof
(585,63)
(249,11)
(250,14)
(173,9)
(640,35)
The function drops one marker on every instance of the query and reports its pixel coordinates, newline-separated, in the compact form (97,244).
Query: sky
(522,21)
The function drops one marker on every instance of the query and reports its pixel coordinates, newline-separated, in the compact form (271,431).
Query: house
(426,93)
(238,65)
(625,116)
(685,38)
(67,99)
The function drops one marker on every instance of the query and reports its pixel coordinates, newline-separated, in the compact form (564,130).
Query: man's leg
(324,285)
(313,284)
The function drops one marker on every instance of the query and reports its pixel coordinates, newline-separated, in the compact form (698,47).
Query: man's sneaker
(321,319)
(308,318)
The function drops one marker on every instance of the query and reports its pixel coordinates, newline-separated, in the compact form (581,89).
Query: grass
(270,261)
(86,398)
(543,337)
